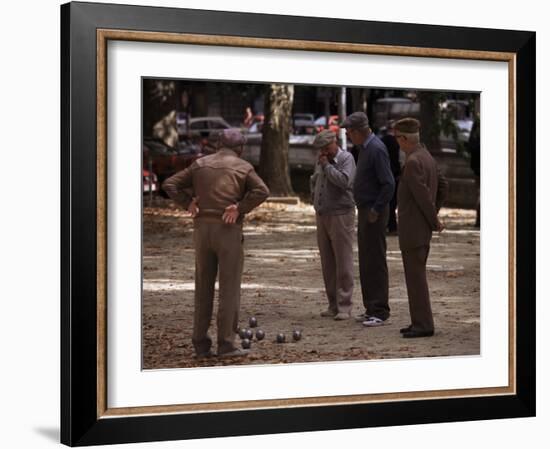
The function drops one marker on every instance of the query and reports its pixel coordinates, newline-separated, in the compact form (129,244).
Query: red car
(150,182)
(165,160)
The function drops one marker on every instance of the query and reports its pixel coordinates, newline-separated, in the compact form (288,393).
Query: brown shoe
(204,355)
(238,352)
(328,313)
(341,316)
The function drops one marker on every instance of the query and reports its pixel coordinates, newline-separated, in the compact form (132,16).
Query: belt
(214,215)
(211,212)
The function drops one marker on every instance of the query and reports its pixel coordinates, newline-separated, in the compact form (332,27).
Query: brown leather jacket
(421,193)
(217,181)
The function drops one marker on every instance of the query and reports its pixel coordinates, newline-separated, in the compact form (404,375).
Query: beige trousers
(218,250)
(335,235)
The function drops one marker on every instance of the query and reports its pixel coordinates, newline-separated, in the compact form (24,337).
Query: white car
(200,126)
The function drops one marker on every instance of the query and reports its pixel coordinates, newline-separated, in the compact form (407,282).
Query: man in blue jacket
(372,191)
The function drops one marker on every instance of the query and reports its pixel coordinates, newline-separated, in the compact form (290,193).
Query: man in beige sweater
(331,188)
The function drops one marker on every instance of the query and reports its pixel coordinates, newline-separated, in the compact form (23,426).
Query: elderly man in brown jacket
(218,190)
(420,194)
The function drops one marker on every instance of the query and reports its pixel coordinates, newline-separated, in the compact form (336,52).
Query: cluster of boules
(247,335)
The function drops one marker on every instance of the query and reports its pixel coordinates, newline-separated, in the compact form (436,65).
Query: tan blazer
(422,190)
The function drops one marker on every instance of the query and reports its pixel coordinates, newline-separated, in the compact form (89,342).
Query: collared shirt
(368,139)
(331,185)
(374,183)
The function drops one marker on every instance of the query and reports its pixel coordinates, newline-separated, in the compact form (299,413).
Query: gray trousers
(218,248)
(373,267)
(414,263)
(335,241)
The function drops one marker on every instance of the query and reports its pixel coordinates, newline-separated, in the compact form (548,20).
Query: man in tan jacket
(218,190)
(420,194)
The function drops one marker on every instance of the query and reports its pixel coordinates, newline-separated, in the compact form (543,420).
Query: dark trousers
(392,221)
(373,268)
(478,209)
(414,263)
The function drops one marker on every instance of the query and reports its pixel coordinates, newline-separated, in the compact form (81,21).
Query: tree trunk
(274,168)
(430,121)
(159,110)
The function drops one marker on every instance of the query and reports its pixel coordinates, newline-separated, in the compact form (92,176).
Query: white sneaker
(362,317)
(373,321)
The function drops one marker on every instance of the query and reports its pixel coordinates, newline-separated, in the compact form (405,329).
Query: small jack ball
(297,335)
(242,333)
(280,338)
(245,343)
(249,334)
(253,322)
(260,334)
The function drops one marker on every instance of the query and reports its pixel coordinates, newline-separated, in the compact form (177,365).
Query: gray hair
(412,137)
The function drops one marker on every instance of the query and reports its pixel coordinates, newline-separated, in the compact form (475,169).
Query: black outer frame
(79,422)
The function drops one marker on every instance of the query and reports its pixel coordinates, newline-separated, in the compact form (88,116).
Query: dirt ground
(282,287)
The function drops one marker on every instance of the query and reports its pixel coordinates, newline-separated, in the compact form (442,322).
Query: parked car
(199,126)
(461,114)
(303,123)
(464,128)
(166,160)
(150,181)
(321,124)
(457,109)
(393,108)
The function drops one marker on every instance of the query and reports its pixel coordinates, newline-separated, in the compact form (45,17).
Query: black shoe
(406,329)
(416,334)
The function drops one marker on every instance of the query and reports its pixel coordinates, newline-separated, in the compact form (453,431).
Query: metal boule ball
(296,335)
(260,334)
(281,337)
(242,333)
(252,321)
(249,334)
(245,343)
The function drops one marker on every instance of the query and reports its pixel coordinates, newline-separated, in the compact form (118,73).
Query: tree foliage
(159,110)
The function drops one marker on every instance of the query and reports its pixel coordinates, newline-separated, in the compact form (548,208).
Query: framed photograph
(149,94)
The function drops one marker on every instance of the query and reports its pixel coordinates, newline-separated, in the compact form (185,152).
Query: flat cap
(357,120)
(231,138)
(324,138)
(407,125)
